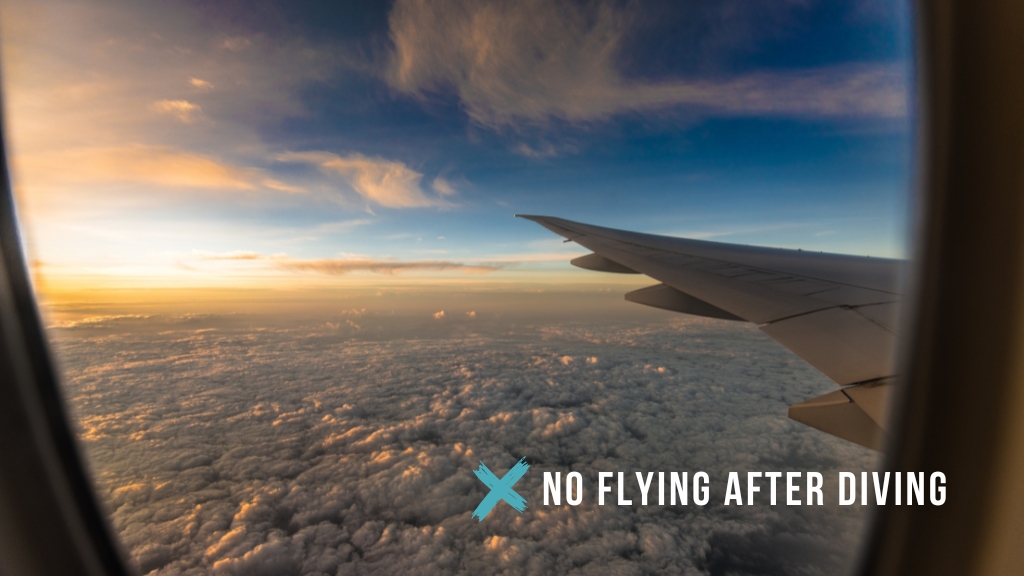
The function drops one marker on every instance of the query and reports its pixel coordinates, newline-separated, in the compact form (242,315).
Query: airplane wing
(837,312)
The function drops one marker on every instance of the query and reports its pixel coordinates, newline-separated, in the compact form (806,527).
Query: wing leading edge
(837,312)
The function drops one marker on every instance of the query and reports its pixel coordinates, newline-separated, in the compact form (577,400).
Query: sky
(262,144)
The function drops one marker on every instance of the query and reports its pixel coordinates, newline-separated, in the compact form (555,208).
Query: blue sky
(196,141)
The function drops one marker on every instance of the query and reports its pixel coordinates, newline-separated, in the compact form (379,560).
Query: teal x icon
(501,489)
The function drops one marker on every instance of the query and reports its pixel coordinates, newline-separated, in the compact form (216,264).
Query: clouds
(340,266)
(102,93)
(516,62)
(384,182)
(242,255)
(236,44)
(183,110)
(237,446)
(159,166)
(345,266)
(443,187)
(96,104)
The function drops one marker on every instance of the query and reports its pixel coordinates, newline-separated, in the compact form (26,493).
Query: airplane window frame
(960,407)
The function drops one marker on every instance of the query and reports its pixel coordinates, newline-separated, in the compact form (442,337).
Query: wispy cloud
(340,266)
(79,170)
(539,152)
(94,101)
(345,266)
(183,110)
(384,182)
(531,257)
(155,165)
(282,187)
(511,62)
(236,44)
(340,226)
(236,255)
(443,187)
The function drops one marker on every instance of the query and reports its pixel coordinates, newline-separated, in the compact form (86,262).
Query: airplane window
(300,331)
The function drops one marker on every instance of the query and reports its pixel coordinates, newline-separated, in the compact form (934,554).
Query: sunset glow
(176,146)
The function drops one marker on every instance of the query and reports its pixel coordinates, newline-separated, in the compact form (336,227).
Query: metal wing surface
(837,312)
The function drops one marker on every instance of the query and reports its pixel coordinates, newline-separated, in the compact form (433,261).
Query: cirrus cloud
(136,163)
(514,62)
(388,183)
(339,266)
(336,266)
(183,110)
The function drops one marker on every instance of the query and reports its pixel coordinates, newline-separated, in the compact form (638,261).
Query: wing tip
(552,223)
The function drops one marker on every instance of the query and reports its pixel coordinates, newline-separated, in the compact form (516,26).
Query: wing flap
(873,399)
(668,298)
(836,414)
(853,296)
(599,263)
(844,345)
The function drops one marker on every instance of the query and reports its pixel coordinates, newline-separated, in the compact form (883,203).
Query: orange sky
(144,156)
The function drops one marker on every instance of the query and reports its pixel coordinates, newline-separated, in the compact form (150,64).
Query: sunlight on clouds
(442,186)
(385,182)
(344,266)
(530,61)
(524,257)
(281,186)
(235,255)
(81,82)
(364,451)
(139,132)
(111,112)
(183,110)
(156,165)
(339,266)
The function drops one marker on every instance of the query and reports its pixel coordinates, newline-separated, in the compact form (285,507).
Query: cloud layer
(511,62)
(344,266)
(338,266)
(345,445)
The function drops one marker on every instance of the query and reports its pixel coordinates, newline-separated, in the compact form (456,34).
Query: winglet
(554,224)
